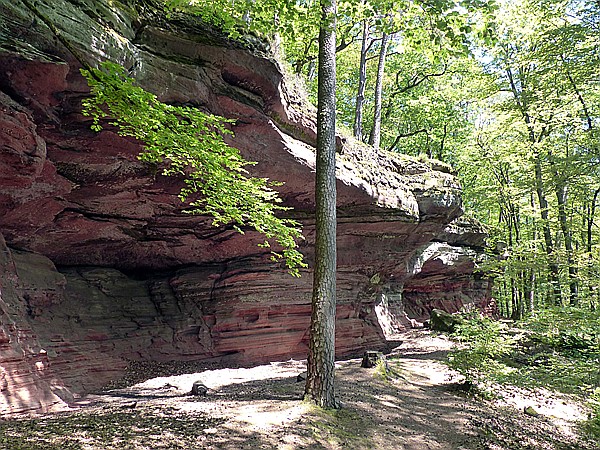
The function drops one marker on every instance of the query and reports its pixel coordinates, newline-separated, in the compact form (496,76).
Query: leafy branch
(191,144)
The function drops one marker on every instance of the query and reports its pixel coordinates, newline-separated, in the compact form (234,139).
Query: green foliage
(484,343)
(561,350)
(566,373)
(232,17)
(592,425)
(189,143)
(567,329)
(558,349)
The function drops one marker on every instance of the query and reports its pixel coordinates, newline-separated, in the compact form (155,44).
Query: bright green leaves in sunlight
(558,349)
(190,144)
(240,16)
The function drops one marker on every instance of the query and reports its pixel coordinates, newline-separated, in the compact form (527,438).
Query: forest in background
(507,93)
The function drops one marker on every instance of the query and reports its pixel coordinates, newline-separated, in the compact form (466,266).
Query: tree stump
(371,358)
(301,377)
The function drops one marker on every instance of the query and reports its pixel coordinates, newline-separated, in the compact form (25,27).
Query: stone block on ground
(199,388)
(443,321)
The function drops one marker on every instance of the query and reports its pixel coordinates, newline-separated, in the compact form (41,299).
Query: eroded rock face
(101,265)
(442,274)
(26,381)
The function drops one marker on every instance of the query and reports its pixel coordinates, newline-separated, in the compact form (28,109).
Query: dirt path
(417,408)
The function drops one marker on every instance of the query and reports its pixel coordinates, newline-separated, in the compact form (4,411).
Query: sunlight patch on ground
(559,408)
(426,371)
(262,416)
(214,379)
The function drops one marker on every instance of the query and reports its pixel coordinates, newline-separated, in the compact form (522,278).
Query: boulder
(443,321)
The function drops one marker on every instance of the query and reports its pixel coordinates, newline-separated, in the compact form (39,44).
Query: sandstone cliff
(98,264)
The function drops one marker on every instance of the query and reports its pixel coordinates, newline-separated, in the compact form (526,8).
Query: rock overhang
(86,213)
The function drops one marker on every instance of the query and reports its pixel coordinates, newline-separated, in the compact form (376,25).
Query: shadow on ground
(413,407)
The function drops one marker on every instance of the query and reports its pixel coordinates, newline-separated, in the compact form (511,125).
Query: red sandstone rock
(27,383)
(110,269)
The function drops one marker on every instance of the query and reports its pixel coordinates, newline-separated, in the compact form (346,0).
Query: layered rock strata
(443,274)
(101,265)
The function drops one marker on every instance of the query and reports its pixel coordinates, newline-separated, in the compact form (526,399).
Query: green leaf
(189,143)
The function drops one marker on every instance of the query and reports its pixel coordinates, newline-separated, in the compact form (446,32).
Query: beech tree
(375,135)
(362,81)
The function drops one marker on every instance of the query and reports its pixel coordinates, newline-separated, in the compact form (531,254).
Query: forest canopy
(506,93)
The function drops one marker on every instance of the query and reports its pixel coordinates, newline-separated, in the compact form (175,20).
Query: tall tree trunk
(584,107)
(561,197)
(534,139)
(362,82)
(375,136)
(552,264)
(531,291)
(590,222)
(506,303)
(514,295)
(560,189)
(320,379)
(532,277)
(592,285)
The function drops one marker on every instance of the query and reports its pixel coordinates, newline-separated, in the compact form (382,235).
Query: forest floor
(418,405)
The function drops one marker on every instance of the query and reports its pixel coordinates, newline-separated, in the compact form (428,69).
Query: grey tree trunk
(532,276)
(561,197)
(589,240)
(590,221)
(362,82)
(320,380)
(375,137)
(552,264)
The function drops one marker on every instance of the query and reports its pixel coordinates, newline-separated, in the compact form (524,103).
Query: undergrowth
(557,349)
(340,427)
(386,370)
(592,425)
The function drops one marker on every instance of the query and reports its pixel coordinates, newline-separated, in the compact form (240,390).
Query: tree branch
(404,135)
(416,80)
